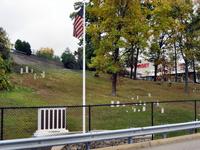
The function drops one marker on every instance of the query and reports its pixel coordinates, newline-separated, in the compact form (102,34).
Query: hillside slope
(33,60)
(64,87)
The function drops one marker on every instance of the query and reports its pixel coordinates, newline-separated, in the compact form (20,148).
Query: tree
(4,60)
(23,47)
(79,58)
(110,22)
(45,52)
(161,24)
(68,59)
(182,12)
(136,35)
(5,44)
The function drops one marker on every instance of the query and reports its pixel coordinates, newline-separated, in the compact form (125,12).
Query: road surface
(185,145)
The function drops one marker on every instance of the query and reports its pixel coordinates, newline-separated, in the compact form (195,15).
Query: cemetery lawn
(64,87)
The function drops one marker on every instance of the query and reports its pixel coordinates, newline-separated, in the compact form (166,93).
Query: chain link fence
(23,122)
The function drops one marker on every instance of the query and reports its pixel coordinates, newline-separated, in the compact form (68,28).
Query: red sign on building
(145,65)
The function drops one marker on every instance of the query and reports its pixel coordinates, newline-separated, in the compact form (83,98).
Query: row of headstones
(196,90)
(117,104)
(137,97)
(35,76)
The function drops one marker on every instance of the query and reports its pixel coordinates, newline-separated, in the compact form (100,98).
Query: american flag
(78,24)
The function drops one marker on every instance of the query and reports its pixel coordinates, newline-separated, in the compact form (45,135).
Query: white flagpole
(84,68)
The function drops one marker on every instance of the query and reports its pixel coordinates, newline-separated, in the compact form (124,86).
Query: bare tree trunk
(155,72)
(194,71)
(132,53)
(131,75)
(186,76)
(136,62)
(175,62)
(114,75)
(114,84)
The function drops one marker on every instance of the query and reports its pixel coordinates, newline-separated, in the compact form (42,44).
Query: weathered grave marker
(35,76)
(162,110)
(21,70)
(112,102)
(26,69)
(143,108)
(118,102)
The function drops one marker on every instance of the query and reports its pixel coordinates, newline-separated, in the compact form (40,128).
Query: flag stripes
(78,24)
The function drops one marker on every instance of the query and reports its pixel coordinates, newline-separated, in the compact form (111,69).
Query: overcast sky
(43,23)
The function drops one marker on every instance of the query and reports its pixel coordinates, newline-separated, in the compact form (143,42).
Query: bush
(4,69)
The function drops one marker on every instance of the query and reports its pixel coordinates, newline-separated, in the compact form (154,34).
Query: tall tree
(111,16)
(23,46)
(161,23)
(136,35)
(182,11)
(5,44)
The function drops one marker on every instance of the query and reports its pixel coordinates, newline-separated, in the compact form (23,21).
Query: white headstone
(132,98)
(138,110)
(112,102)
(162,110)
(137,97)
(123,105)
(21,70)
(134,110)
(157,104)
(35,76)
(26,69)
(118,102)
(143,108)
(31,70)
(43,74)
(149,94)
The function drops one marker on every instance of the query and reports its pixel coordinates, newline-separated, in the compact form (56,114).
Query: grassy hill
(64,87)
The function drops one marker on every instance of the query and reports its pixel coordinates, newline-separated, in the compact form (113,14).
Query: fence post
(195,112)
(2,119)
(152,117)
(89,117)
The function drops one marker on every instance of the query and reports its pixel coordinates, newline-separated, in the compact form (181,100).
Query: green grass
(64,87)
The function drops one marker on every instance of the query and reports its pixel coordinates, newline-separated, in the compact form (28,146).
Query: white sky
(43,23)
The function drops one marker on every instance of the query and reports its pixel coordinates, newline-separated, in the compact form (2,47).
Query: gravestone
(51,121)
(43,74)
(118,102)
(31,70)
(143,108)
(21,70)
(149,95)
(26,69)
(35,76)
(112,102)
(162,110)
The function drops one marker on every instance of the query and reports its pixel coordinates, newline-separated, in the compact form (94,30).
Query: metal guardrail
(94,136)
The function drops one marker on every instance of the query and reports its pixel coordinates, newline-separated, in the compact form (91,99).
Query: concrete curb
(153,143)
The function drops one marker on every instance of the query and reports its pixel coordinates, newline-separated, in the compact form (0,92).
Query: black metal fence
(21,122)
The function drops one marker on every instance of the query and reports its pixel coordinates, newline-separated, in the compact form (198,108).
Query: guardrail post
(195,113)
(164,135)
(152,117)
(130,140)
(89,118)
(2,119)
(87,146)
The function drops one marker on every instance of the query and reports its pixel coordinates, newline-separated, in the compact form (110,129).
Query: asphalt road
(185,145)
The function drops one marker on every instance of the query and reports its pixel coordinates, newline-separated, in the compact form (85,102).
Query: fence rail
(21,122)
(94,136)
